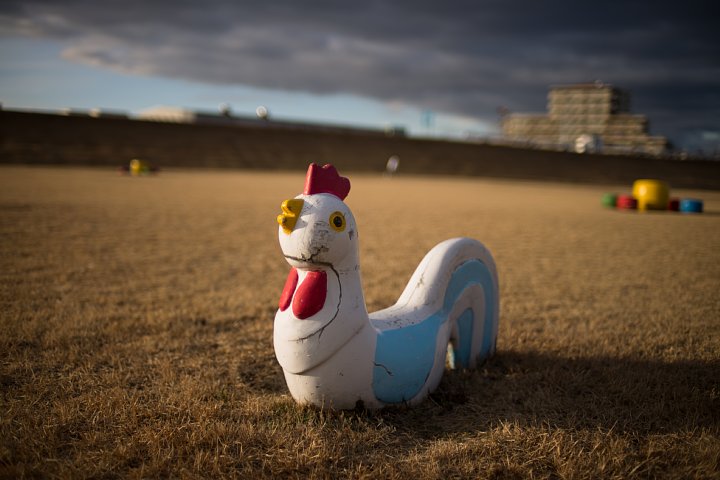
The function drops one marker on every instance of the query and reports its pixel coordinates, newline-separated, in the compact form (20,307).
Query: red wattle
(310,296)
(288,290)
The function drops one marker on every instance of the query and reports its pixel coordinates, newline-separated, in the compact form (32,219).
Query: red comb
(326,180)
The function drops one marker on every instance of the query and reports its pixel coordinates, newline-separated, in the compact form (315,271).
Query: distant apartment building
(585,117)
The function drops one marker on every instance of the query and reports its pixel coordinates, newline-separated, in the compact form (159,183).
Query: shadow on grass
(539,389)
(639,396)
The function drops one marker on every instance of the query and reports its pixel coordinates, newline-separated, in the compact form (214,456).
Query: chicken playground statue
(335,355)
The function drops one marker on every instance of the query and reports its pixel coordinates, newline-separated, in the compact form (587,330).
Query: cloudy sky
(366,62)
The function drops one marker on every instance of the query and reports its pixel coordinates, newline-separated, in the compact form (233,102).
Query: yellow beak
(290,212)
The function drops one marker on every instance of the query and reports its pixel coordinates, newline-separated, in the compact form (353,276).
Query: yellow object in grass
(138,167)
(651,194)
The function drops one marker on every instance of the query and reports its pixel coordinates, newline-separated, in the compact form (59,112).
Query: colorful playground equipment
(627,202)
(691,205)
(651,194)
(138,167)
(336,355)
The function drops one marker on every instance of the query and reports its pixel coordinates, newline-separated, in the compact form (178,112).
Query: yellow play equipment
(651,194)
(139,167)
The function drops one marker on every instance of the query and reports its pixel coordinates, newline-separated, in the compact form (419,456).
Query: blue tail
(475,332)
(405,357)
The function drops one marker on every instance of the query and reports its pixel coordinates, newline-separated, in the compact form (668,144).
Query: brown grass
(136,334)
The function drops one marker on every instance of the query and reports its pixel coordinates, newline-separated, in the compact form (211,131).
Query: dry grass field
(137,313)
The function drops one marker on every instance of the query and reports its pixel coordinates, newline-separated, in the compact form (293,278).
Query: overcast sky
(368,59)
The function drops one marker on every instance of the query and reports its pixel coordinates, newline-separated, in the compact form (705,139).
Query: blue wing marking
(404,357)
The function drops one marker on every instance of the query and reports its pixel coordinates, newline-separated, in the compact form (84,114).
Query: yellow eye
(337,221)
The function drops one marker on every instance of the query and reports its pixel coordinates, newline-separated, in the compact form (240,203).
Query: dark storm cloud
(465,57)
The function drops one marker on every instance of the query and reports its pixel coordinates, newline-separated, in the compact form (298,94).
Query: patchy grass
(136,332)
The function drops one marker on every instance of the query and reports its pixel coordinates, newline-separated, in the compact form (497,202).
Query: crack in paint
(320,249)
(384,368)
(337,312)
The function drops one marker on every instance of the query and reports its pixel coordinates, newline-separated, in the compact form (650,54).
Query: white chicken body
(333,353)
